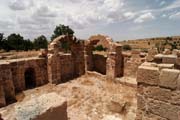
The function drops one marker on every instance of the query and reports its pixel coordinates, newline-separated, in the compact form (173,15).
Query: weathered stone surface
(163,66)
(2,97)
(168,78)
(151,54)
(141,102)
(100,63)
(46,107)
(157,93)
(148,75)
(169,59)
(163,109)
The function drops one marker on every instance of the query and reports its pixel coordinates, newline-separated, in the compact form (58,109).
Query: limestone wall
(67,67)
(12,77)
(158,96)
(19,67)
(63,66)
(99,63)
(114,63)
(131,63)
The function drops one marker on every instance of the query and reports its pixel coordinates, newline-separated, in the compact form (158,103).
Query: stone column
(78,56)
(88,58)
(114,63)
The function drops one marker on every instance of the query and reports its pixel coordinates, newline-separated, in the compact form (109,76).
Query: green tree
(14,42)
(40,42)
(62,30)
(1,40)
(126,47)
(99,48)
(28,45)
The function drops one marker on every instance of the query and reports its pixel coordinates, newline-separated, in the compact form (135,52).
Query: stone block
(169,59)
(163,109)
(175,97)
(157,93)
(45,107)
(163,66)
(141,102)
(148,75)
(168,78)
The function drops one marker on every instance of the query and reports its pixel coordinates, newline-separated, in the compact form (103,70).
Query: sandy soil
(88,98)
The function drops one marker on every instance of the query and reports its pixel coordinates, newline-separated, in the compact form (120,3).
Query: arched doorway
(30,78)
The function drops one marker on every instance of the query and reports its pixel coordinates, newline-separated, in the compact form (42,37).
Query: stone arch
(64,66)
(96,61)
(30,78)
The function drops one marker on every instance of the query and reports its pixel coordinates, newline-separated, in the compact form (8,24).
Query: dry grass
(16,55)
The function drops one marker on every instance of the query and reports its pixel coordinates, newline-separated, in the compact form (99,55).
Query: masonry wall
(131,65)
(63,66)
(99,63)
(67,67)
(7,88)
(158,96)
(12,77)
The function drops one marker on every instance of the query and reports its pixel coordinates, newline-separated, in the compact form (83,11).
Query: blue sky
(120,19)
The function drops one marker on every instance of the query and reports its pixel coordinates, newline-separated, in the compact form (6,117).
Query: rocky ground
(88,97)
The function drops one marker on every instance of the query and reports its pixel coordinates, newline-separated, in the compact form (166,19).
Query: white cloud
(144,17)
(20,4)
(129,15)
(162,3)
(175,16)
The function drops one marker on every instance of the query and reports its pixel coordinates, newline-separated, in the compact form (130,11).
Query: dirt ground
(88,98)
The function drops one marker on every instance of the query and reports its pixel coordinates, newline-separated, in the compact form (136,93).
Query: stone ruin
(158,87)
(158,79)
(66,58)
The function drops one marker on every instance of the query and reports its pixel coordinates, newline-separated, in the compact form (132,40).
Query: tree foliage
(126,47)
(17,42)
(62,30)
(40,42)
(100,48)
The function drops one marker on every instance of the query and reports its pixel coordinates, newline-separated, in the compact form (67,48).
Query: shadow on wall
(30,78)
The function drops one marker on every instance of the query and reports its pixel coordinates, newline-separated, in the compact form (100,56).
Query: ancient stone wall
(114,60)
(158,92)
(67,69)
(13,79)
(131,63)
(99,63)
(64,65)
(114,63)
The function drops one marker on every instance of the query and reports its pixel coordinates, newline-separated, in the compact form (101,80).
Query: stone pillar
(2,97)
(114,63)
(88,58)
(77,50)
(54,70)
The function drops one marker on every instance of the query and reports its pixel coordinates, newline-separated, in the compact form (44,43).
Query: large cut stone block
(170,59)
(168,78)
(46,107)
(163,109)
(157,93)
(148,75)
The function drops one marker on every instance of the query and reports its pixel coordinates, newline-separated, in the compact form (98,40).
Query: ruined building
(65,59)
(156,77)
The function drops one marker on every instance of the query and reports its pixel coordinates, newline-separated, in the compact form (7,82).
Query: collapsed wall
(158,92)
(110,64)
(65,59)
(45,107)
(20,74)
